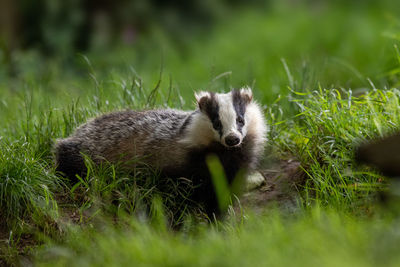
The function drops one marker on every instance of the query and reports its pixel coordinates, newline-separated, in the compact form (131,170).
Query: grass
(312,239)
(326,76)
(333,123)
(27,183)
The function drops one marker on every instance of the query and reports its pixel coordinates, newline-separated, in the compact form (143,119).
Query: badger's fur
(176,142)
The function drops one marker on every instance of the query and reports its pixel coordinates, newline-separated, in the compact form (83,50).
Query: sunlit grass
(27,183)
(331,124)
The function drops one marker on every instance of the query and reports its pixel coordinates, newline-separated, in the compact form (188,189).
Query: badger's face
(226,114)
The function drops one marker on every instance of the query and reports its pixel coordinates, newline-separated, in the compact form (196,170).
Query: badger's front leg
(254,180)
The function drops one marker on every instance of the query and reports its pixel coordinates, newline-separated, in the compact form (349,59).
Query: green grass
(27,183)
(332,124)
(315,238)
(326,76)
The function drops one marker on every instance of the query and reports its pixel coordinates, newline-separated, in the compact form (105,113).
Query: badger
(229,125)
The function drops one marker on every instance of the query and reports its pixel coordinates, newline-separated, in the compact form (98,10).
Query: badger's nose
(232,140)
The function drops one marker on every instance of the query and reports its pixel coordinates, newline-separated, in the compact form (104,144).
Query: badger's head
(226,115)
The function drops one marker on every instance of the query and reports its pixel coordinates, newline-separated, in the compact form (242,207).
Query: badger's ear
(202,98)
(246,94)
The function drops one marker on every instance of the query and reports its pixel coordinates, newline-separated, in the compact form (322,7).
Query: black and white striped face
(226,113)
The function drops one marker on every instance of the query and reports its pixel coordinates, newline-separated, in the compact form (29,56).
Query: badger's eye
(240,121)
(217,125)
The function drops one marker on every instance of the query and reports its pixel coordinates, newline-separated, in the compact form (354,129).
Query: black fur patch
(209,106)
(232,159)
(69,160)
(240,103)
(185,124)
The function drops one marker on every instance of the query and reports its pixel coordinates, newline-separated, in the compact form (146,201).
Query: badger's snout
(232,140)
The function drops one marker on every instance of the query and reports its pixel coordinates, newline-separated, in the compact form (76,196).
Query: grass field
(326,76)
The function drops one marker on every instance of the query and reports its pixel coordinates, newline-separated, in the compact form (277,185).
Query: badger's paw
(254,180)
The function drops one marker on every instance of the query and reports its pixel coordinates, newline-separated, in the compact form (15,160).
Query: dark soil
(283,180)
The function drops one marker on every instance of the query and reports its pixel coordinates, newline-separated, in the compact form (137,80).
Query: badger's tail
(69,160)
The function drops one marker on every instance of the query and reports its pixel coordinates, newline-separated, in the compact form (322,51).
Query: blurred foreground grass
(314,238)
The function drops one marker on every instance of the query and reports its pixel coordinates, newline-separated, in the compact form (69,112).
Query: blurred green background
(216,45)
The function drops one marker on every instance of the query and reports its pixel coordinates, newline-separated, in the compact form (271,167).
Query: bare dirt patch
(281,187)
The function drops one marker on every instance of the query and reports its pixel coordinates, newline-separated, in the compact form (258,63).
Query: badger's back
(149,136)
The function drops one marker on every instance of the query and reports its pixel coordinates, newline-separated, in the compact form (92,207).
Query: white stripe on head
(227,115)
